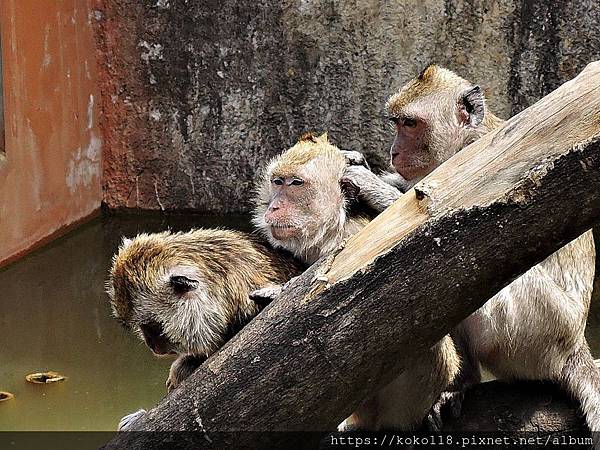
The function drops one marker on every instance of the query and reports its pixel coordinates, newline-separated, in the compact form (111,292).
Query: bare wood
(425,264)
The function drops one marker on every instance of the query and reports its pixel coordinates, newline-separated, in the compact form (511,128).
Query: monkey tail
(581,377)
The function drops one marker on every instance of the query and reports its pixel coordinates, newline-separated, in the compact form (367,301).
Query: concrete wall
(199,93)
(50,173)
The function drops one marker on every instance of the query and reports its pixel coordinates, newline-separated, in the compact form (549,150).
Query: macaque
(187,293)
(534,327)
(305,205)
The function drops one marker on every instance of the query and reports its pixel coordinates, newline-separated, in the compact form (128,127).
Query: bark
(513,408)
(354,320)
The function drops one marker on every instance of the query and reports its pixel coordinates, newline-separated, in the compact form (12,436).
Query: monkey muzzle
(155,338)
(283,232)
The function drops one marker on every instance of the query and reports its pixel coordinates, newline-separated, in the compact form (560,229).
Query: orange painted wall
(50,174)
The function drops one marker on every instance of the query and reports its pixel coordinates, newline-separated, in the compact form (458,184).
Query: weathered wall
(197,94)
(51,170)
(1,104)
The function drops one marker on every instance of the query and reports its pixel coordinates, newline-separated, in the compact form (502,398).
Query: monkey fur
(187,293)
(303,206)
(533,328)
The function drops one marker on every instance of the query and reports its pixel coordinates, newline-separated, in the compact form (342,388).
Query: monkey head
(184,292)
(303,198)
(434,116)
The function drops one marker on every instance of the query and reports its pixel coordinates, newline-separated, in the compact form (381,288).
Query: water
(54,315)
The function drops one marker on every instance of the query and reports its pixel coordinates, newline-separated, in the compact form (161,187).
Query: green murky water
(54,315)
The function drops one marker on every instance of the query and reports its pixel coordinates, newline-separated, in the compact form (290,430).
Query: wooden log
(515,408)
(349,324)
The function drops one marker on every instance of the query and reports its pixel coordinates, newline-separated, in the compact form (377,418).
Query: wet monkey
(188,293)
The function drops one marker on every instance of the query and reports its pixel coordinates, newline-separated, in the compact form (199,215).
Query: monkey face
(155,338)
(409,153)
(285,214)
(167,299)
(434,116)
(301,204)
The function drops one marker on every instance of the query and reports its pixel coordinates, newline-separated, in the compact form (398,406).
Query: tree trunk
(351,323)
(521,407)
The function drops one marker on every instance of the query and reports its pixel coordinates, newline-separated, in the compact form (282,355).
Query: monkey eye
(182,284)
(296,182)
(409,122)
(277,181)
(394,120)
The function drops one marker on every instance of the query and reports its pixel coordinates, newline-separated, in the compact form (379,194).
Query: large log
(355,319)
(518,407)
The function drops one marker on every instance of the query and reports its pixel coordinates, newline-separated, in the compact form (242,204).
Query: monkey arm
(265,295)
(396,180)
(182,368)
(373,190)
(355,158)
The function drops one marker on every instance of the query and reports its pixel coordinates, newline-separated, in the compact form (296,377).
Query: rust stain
(50,176)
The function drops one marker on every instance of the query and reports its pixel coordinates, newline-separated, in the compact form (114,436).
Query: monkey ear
(349,189)
(472,106)
(182,284)
(428,72)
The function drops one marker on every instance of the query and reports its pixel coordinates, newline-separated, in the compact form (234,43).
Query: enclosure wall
(50,172)
(200,93)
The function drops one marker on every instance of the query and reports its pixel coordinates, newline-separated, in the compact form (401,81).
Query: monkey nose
(155,338)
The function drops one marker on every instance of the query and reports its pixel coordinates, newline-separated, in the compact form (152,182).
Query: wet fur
(228,265)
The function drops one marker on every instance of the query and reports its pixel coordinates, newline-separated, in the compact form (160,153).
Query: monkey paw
(126,423)
(358,178)
(181,369)
(451,401)
(355,158)
(266,295)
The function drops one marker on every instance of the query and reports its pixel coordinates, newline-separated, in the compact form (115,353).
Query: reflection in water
(54,315)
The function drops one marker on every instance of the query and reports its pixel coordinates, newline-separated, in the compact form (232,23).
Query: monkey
(186,293)
(534,327)
(304,205)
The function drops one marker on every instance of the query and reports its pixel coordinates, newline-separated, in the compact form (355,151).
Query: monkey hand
(182,368)
(451,400)
(127,422)
(355,158)
(262,297)
(369,188)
